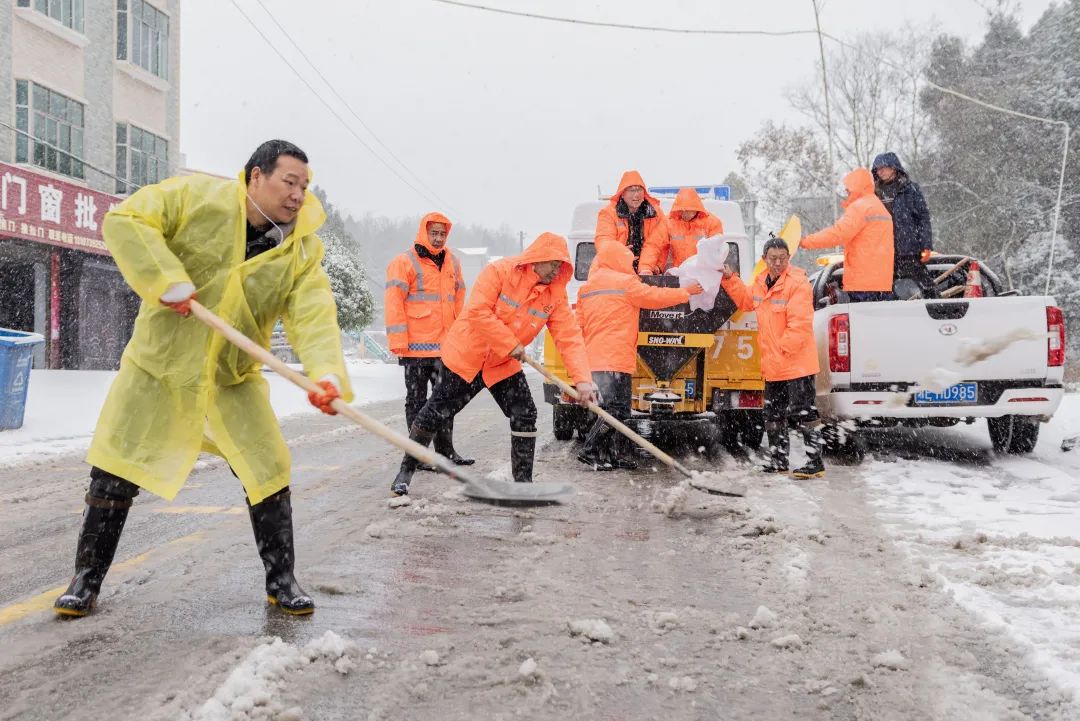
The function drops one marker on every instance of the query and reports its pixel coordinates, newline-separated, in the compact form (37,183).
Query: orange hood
(859,183)
(422,234)
(548,246)
(633,177)
(687,199)
(613,256)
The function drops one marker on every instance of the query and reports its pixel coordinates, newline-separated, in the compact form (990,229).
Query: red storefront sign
(42,209)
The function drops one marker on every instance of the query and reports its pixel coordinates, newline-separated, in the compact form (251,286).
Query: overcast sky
(508,120)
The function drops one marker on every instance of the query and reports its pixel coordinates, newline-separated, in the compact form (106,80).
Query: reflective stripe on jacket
(608,307)
(866,233)
(683,236)
(422,301)
(509,306)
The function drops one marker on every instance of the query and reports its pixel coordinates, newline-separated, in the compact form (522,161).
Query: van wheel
(562,422)
(1013,434)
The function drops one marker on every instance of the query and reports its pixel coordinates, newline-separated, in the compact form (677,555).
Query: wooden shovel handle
(256,351)
(611,420)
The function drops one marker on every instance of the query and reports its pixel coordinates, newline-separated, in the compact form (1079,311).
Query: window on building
(56,124)
(65,12)
(142,36)
(142,158)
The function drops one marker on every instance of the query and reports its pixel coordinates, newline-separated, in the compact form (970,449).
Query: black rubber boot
(779,444)
(103,521)
(815,466)
(623,457)
(409,465)
(594,449)
(272,522)
(444,446)
(522,450)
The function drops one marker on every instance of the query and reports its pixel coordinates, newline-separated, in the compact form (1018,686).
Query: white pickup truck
(937,362)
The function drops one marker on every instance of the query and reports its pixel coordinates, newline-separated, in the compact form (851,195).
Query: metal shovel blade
(716,486)
(493,491)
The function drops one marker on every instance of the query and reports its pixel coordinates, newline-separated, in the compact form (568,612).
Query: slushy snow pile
(253,689)
(592,629)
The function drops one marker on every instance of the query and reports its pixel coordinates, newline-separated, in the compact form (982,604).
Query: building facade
(89,112)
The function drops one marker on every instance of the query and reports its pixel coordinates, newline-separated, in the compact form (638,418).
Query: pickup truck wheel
(1013,434)
(562,422)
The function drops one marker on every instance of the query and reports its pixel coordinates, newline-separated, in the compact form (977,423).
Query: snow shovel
(718,488)
(484,489)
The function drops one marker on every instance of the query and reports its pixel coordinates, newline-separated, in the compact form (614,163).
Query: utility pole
(521,240)
(828,113)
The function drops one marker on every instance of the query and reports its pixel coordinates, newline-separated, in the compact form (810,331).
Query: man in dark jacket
(912,236)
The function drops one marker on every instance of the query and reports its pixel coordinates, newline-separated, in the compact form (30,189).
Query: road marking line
(316,468)
(229,510)
(44,601)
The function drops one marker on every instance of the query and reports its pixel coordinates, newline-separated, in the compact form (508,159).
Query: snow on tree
(345,266)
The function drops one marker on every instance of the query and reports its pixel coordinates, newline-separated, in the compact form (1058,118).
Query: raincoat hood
(422,232)
(887,160)
(859,183)
(687,199)
(612,256)
(633,177)
(548,246)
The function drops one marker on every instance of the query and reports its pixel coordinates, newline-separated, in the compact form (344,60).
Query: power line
(940,88)
(68,153)
(624,26)
(344,102)
(329,107)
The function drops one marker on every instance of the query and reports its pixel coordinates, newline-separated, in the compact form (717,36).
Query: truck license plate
(961,394)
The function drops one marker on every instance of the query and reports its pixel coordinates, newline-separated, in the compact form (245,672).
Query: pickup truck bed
(935,362)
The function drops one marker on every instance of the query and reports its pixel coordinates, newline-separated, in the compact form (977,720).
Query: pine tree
(345,266)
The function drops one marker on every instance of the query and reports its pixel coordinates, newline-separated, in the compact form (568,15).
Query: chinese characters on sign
(44,209)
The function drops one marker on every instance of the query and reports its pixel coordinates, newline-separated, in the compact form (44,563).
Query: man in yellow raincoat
(247,249)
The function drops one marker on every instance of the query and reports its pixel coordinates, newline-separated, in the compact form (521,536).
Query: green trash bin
(16,360)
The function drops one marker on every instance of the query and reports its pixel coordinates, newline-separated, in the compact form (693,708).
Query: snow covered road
(900,589)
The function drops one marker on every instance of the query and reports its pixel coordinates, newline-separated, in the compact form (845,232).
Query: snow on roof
(471,251)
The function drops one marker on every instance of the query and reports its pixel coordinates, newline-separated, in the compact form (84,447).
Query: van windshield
(583,260)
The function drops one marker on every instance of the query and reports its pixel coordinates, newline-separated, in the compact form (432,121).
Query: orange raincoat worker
(688,222)
(425,293)
(633,218)
(512,301)
(784,305)
(608,308)
(866,233)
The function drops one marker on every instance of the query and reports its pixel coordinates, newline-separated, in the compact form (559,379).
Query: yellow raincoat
(181,387)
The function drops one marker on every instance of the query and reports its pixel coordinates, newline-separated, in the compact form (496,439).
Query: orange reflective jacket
(510,306)
(608,306)
(422,301)
(785,317)
(866,232)
(683,236)
(610,227)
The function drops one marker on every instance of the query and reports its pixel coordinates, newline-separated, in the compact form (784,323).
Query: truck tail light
(839,344)
(1055,344)
(751,399)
